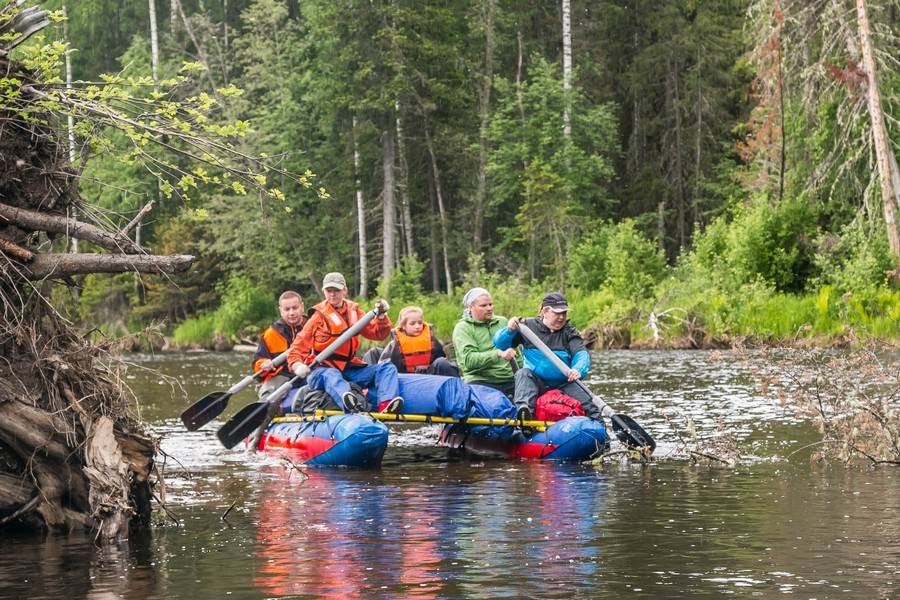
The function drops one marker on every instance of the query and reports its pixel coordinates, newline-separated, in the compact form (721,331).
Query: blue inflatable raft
(352,440)
(571,439)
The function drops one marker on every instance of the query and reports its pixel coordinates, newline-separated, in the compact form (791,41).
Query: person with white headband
(476,356)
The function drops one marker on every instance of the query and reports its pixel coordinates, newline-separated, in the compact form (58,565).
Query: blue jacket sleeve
(505,339)
(581,362)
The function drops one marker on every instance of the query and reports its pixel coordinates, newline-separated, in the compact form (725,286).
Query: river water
(434,526)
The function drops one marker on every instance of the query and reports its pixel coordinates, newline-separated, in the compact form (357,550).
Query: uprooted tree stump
(72,452)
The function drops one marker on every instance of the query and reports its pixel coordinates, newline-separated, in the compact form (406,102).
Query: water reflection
(333,535)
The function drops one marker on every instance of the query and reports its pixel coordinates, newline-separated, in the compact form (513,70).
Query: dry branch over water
(853,397)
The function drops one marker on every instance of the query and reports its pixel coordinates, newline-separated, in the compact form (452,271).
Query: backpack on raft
(307,401)
(553,405)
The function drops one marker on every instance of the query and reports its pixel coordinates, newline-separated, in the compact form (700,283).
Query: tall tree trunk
(403,187)
(435,233)
(889,194)
(782,159)
(675,156)
(73,242)
(520,60)
(225,30)
(441,211)
(698,139)
(154,71)
(173,15)
(389,210)
(661,224)
(201,53)
(489,8)
(360,219)
(567,64)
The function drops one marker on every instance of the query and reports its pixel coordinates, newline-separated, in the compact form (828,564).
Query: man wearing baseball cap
(539,374)
(329,319)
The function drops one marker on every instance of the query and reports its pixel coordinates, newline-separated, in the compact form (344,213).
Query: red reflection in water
(328,537)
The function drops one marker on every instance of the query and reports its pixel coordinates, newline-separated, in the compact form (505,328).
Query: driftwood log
(72,452)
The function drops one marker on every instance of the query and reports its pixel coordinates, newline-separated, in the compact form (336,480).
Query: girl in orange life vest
(414,347)
(329,319)
(276,339)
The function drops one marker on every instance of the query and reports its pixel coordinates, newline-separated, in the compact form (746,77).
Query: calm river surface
(429,525)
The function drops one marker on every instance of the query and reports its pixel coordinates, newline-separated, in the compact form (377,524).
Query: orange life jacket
(336,326)
(416,351)
(275,339)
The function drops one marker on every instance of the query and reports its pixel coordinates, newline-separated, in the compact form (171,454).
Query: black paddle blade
(631,434)
(204,410)
(243,424)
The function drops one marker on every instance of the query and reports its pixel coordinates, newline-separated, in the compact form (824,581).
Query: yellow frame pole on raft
(414,418)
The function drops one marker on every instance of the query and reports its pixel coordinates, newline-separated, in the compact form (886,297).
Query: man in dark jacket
(277,338)
(539,374)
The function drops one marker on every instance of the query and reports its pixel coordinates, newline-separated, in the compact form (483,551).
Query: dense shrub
(772,244)
(854,261)
(634,264)
(244,305)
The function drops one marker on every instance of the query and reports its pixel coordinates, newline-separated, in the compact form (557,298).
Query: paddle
(416,418)
(626,429)
(253,415)
(211,405)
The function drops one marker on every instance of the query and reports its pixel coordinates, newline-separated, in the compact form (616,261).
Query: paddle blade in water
(631,434)
(204,410)
(243,424)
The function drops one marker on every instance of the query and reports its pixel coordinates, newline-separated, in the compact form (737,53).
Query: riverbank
(752,317)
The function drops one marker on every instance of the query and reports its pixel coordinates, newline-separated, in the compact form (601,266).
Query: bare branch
(35,221)
(15,250)
(137,218)
(55,266)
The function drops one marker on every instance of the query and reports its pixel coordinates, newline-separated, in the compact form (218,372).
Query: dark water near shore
(434,526)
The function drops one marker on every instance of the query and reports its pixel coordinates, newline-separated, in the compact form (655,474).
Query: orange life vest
(416,351)
(336,326)
(275,339)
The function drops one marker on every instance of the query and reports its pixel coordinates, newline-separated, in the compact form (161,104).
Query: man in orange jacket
(330,318)
(276,339)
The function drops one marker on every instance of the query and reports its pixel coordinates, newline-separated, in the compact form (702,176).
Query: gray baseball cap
(334,280)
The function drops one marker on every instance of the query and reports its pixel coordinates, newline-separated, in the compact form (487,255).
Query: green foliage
(244,305)
(854,261)
(634,264)
(548,180)
(406,283)
(196,331)
(771,244)
(587,260)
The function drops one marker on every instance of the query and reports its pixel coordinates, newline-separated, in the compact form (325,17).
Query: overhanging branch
(35,221)
(55,266)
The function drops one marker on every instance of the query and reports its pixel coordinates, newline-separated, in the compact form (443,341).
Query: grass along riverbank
(678,318)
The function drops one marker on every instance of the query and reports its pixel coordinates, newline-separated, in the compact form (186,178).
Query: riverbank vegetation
(693,175)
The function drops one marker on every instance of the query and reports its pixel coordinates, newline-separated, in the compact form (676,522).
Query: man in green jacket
(478,359)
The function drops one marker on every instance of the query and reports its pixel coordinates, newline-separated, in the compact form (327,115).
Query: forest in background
(706,171)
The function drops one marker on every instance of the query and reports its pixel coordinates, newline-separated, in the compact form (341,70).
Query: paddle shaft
(415,418)
(276,362)
(538,343)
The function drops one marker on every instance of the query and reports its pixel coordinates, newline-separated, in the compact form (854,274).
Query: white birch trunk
(73,242)
(484,107)
(389,222)
(882,149)
(360,219)
(406,211)
(567,64)
(441,211)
